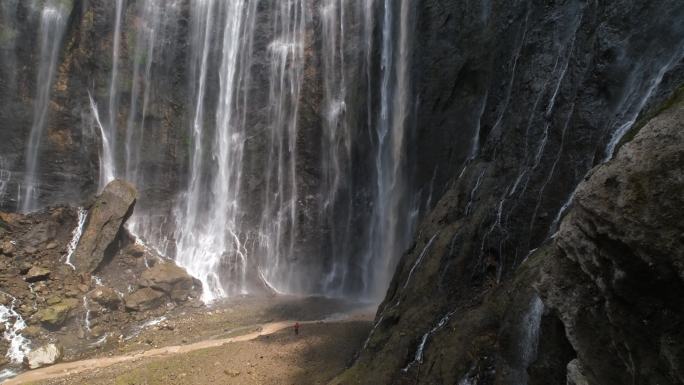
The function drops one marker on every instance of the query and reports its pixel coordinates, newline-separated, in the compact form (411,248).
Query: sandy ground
(241,342)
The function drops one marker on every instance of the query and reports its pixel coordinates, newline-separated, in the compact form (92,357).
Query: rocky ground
(75,284)
(72,280)
(321,351)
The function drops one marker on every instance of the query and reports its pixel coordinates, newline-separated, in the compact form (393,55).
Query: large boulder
(105,297)
(54,316)
(617,275)
(170,279)
(7,248)
(37,274)
(105,222)
(144,299)
(44,356)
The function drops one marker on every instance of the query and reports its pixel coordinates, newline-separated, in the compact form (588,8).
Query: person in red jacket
(296,328)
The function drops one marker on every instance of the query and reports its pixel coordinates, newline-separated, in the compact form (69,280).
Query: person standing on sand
(296,328)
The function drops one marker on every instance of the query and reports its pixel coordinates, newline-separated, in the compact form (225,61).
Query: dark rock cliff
(616,274)
(518,101)
(515,103)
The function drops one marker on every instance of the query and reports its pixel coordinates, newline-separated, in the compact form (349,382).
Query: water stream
(228,234)
(52,26)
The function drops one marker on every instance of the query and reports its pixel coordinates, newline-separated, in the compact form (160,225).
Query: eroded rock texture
(617,277)
(104,225)
(518,102)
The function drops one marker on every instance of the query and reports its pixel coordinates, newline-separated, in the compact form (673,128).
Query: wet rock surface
(171,279)
(105,297)
(144,299)
(54,316)
(598,304)
(104,225)
(616,276)
(76,310)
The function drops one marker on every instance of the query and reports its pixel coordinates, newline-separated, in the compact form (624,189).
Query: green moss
(57,314)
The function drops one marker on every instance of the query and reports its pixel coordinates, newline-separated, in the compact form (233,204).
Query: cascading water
(145,46)
(279,217)
(388,238)
(222,229)
(5,177)
(528,340)
(54,17)
(86,316)
(108,169)
(14,324)
(75,237)
(209,241)
(346,62)
(337,141)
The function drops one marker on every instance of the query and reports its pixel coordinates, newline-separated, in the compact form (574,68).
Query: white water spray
(208,236)
(14,324)
(76,237)
(86,317)
(52,26)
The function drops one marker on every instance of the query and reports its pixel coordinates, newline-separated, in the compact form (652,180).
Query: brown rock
(7,248)
(104,224)
(5,300)
(40,233)
(144,299)
(31,331)
(37,274)
(171,279)
(55,315)
(105,297)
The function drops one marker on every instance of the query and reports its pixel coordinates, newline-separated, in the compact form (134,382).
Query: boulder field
(74,284)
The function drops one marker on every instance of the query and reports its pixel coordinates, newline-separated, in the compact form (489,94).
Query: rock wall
(518,101)
(51,292)
(151,103)
(616,276)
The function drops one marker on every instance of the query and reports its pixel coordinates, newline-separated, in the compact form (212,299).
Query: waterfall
(75,237)
(526,341)
(86,317)
(337,141)
(14,324)
(108,169)
(644,81)
(145,45)
(106,156)
(388,238)
(5,177)
(420,351)
(278,227)
(54,16)
(250,110)
(209,241)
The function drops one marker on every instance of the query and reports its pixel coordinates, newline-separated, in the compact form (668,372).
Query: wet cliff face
(296,144)
(517,101)
(70,146)
(617,265)
(268,140)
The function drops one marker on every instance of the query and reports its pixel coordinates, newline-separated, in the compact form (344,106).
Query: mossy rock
(54,316)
